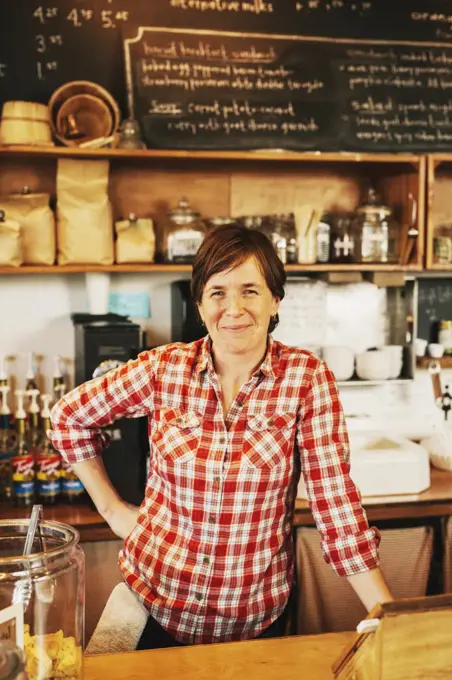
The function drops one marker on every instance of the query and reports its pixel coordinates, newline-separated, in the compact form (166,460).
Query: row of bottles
(30,468)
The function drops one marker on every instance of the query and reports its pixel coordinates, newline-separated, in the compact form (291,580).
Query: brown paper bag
(37,225)
(84,216)
(10,245)
(135,240)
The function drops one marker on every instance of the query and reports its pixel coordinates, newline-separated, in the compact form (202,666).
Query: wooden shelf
(172,268)
(259,155)
(423,362)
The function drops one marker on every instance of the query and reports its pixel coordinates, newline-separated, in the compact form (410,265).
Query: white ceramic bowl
(340,360)
(373,365)
(435,350)
(396,358)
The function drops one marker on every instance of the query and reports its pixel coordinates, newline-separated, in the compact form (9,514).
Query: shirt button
(211,519)
(206,560)
(222,441)
(217,481)
(198,596)
(240,404)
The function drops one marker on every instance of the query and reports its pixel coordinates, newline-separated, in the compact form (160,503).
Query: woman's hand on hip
(122,519)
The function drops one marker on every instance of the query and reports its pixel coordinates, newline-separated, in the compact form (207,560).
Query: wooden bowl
(83,117)
(76,88)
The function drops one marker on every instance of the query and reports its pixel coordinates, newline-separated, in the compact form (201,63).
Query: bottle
(34,433)
(6,490)
(59,386)
(72,489)
(48,462)
(30,376)
(4,382)
(23,473)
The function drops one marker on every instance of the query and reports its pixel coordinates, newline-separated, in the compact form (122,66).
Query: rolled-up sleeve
(78,417)
(348,543)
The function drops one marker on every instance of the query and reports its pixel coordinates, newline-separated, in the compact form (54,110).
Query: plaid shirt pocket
(177,434)
(267,439)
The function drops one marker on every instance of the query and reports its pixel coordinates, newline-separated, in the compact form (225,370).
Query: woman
(233,418)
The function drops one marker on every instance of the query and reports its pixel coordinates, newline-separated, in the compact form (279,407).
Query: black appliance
(103,342)
(186,324)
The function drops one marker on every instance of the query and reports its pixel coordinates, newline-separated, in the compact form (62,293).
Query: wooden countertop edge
(309,656)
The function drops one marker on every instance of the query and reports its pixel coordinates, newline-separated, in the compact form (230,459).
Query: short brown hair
(230,245)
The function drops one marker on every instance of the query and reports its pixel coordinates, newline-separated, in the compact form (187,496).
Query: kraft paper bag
(37,225)
(10,243)
(135,240)
(84,215)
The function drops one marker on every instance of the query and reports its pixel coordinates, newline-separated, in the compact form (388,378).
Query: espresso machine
(102,343)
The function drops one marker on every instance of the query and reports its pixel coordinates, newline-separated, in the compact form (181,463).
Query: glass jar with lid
(50,587)
(376,231)
(442,244)
(184,233)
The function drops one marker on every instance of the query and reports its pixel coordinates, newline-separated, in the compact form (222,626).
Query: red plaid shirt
(212,554)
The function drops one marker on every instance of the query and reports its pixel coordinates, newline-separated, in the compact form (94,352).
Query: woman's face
(236,307)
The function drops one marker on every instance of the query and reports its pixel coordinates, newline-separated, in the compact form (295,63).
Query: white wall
(35,316)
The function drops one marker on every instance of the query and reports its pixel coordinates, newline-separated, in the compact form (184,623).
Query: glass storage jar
(184,233)
(51,586)
(376,231)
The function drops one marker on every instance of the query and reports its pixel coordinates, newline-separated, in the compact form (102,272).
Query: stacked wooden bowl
(82,111)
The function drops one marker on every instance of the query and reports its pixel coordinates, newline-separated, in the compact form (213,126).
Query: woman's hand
(122,518)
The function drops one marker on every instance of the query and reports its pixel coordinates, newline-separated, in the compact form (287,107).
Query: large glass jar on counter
(376,232)
(51,587)
(184,233)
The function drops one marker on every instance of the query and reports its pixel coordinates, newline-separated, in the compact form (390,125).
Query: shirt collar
(268,367)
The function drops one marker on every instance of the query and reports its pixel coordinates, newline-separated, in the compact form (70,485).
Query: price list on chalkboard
(234,90)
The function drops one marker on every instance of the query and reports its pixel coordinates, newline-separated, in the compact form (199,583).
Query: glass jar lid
(183,214)
(373,207)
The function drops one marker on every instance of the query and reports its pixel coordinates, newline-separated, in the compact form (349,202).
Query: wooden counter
(435,502)
(291,658)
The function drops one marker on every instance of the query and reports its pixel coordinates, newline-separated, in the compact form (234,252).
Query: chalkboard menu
(294,74)
(434,305)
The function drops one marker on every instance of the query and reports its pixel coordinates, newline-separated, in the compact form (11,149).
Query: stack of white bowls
(384,363)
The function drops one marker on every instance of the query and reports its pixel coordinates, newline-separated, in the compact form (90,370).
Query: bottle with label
(72,489)
(6,490)
(23,473)
(48,462)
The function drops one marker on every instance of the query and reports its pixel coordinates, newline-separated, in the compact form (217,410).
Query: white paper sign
(12,624)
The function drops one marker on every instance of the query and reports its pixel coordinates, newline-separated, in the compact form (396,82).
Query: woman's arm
(77,421)
(120,516)
(371,588)
(349,545)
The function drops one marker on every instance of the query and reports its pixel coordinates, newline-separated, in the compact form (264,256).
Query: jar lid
(446,323)
(373,206)
(183,213)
